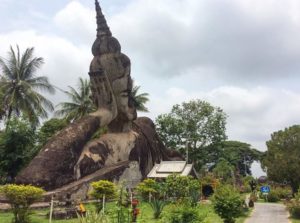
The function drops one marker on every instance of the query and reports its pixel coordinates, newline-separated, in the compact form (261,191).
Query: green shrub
(294,206)
(189,214)
(283,192)
(273,197)
(210,180)
(148,186)
(21,197)
(228,203)
(183,214)
(194,197)
(157,207)
(103,189)
(123,199)
(181,186)
(93,217)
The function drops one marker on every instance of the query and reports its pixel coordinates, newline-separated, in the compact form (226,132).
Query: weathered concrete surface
(53,167)
(79,189)
(269,213)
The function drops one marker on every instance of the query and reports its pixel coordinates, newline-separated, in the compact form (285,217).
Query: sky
(241,56)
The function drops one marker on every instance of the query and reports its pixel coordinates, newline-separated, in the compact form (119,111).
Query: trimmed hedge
(21,197)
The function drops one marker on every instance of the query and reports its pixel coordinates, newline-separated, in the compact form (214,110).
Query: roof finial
(102,27)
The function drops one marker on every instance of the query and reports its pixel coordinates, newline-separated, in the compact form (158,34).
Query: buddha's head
(109,63)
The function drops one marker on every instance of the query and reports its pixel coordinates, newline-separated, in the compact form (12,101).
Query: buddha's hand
(103,97)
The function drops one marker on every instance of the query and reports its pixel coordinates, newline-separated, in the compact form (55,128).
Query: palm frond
(139,100)
(21,87)
(80,104)
(41,83)
(6,72)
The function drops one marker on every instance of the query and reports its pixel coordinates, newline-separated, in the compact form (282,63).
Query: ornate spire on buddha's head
(102,27)
(105,42)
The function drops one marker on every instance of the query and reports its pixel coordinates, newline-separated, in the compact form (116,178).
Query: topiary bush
(21,197)
(148,186)
(228,203)
(102,190)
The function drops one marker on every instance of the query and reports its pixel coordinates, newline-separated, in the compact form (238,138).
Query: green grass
(37,217)
(294,220)
(146,215)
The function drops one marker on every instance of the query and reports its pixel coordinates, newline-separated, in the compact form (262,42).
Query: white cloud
(252,39)
(77,22)
(64,61)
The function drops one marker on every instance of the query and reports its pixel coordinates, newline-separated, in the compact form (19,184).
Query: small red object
(135,202)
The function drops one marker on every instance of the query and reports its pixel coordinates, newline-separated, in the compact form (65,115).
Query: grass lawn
(146,216)
(294,220)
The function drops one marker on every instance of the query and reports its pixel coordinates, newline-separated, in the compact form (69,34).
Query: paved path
(268,213)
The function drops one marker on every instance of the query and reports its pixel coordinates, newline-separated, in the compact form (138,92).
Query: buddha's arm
(54,165)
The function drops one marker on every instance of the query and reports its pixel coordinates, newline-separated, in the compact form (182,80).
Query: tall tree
(194,124)
(139,99)
(16,147)
(281,160)
(81,102)
(225,171)
(20,86)
(2,110)
(240,155)
(49,129)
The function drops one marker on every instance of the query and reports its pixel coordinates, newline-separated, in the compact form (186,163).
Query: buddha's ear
(130,83)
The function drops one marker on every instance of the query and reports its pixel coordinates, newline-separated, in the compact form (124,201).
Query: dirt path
(269,213)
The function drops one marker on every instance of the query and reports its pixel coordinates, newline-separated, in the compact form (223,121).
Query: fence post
(51,210)
(103,203)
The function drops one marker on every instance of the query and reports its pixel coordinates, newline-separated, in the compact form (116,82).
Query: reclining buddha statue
(72,154)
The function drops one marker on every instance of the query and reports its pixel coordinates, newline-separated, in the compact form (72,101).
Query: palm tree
(2,111)
(20,86)
(139,100)
(81,103)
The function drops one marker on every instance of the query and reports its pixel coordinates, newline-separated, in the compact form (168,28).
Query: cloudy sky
(243,56)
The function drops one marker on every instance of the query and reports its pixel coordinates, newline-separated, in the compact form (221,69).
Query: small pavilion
(166,168)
